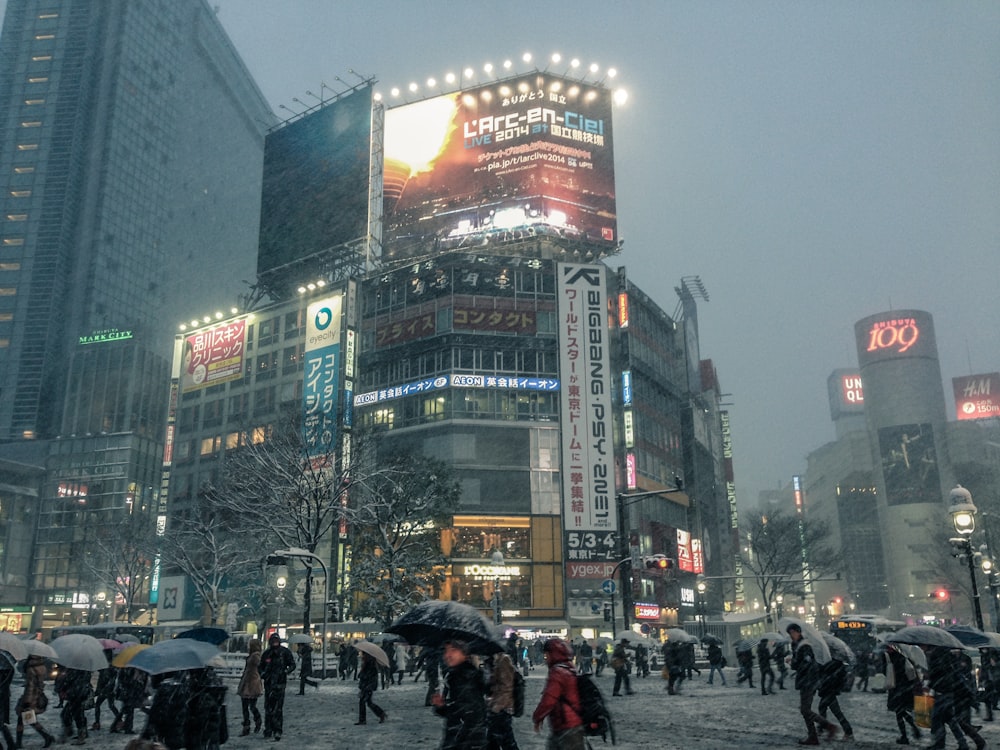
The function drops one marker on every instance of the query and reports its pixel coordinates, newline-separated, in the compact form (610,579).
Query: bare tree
(119,555)
(783,554)
(397,558)
(214,550)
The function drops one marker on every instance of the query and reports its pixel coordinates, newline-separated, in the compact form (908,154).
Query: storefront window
(478,543)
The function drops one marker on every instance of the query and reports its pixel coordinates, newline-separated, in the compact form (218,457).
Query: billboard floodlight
(508,64)
(526,57)
(469,72)
(556,57)
(449,77)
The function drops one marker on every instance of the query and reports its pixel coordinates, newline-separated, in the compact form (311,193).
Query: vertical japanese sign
(213,356)
(321,390)
(589,521)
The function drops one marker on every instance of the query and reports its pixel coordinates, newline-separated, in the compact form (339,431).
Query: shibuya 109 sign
(894,335)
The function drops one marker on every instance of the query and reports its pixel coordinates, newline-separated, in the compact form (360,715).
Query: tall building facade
(131,139)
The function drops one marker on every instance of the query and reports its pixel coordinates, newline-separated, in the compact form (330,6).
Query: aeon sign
(898,333)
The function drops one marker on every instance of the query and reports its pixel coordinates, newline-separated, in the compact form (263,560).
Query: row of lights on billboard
(219,315)
(452,79)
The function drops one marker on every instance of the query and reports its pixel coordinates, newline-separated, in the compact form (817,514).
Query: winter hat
(794,626)
(275,638)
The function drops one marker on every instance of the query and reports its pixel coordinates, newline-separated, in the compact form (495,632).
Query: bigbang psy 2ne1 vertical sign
(588,478)
(321,389)
(522,157)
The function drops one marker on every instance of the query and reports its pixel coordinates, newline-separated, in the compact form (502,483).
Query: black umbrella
(708,639)
(215,636)
(970,636)
(431,623)
(924,635)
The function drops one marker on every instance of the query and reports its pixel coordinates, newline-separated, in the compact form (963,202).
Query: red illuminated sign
(623,310)
(898,333)
(214,356)
(647,611)
(977,396)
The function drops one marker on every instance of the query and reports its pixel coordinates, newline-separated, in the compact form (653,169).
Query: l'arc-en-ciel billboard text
(523,157)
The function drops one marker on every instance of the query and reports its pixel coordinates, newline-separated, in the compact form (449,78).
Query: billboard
(977,396)
(895,334)
(588,463)
(846,393)
(214,355)
(909,464)
(526,156)
(315,184)
(321,388)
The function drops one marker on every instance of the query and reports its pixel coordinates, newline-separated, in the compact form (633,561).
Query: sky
(813,162)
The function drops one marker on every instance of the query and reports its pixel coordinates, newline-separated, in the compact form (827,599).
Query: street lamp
(701,586)
(280,582)
(496,560)
(989,568)
(779,600)
(306,554)
(963,514)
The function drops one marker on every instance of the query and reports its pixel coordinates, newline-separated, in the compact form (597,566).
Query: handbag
(28,717)
(922,707)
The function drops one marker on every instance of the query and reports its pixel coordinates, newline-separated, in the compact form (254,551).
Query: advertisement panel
(909,464)
(513,159)
(588,489)
(845,392)
(314,194)
(214,355)
(321,389)
(894,335)
(977,396)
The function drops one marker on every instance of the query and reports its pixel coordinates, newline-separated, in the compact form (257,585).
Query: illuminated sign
(504,382)
(623,310)
(514,159)
(72,489)
(852,390)
(895,334)
(214,355)
(627,388)
(644,611)
(108,334)
(600,570)
(977,396)
(492,571)
(629,429)
(687,596)
(321,388)
(685,560)
(631,475)
(851,625)
(697,556)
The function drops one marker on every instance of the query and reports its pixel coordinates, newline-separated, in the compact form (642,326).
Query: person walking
(500,704)
(367,685)
(462,701)
(6,678)
(833,675)
(131,691)
(429,664)
(276,663)
(989,671)
(619,663)
(900,682)
(74,690)
(778,656)
(745,660)
(673,660)
(764,665)
(306,668)
(641,661)
(105,692)
(203,727)
(402,656)
(33,700)
(585,658)
(943,680)
(806,682)
(715,660)
(560,701)
(251,687)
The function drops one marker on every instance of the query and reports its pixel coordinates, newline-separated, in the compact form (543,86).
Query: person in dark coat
(833,676)
(745,661)
(203,729)
(778,655)
(585,658)
(900,681)
(367,685)
(105,692)
(429,663)
(715,662)
(674,662)
(619,662)
(306,668)
(6,678)
(641,661)
(276,663)
(33,698)
(74,690)
(967,698)
(764,665)
(462,702)
(168,711)
(943,678)
(806,682)
(131,692)
(990,677)
(560,701)
(500,704)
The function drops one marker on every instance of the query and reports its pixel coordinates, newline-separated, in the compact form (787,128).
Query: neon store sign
(895,335)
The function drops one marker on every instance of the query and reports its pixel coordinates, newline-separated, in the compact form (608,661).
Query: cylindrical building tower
(905,414)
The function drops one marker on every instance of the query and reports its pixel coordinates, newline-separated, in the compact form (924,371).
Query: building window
(6,317)
(27,146)
(20,193)
(10,266)
(43,37)
(23,170)
(38,79)
(13,241)
(7,291)
(31,123)
(41,58)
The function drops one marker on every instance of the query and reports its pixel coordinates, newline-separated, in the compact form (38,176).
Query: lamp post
(989,568)
(779,600)
(280,581)
(963,514)
(306,554)
(701,587)
(496,560)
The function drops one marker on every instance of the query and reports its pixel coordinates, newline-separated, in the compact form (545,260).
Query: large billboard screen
(514,159)
(214,355)
(909,464)
(977,396)
(588,462)
(315,187)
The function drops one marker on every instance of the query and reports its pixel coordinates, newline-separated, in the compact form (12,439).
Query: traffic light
(960,548)
(658,562)
(940,594)
(607,613)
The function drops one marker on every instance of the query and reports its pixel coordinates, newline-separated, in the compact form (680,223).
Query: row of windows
(527,362)
(490,404)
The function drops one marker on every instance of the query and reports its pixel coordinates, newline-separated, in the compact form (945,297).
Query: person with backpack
(807,678)
(560,701)
(501,704)
(619,662)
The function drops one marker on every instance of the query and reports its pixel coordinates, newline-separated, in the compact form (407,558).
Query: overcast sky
(812,162)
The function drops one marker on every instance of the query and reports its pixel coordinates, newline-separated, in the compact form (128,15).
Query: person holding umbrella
(74,690)
(276,663)
(462,702)
(715,660)
(806,682)
(367,684)
(105,692)
(33,700)
(619,662)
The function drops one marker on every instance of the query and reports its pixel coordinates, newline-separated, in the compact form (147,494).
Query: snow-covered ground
(702,717)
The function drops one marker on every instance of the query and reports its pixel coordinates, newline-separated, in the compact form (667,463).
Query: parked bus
(112,630)
(863,632)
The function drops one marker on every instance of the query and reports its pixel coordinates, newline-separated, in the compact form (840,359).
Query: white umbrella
(37,648)
(374,651)
(838,649)
(810,635)
(301,638)
(13,646)
(79,651)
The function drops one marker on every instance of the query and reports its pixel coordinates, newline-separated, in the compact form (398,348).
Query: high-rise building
(131,142)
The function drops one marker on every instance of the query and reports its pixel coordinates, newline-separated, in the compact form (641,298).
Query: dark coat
(714,655)
(899,697)
(464,708)
(805,667)
(276,663)
(763,656)
(368,674)
(203,726)
(168,712)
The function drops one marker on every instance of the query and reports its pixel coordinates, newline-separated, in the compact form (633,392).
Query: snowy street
(703,716)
